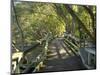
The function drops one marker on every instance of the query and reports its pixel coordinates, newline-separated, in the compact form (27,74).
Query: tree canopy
(36,20)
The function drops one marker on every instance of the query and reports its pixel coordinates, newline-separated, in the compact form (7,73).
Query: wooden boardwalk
(59,60)
(69,64)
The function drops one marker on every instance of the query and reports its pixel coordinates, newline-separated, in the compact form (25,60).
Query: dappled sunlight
(17,55)
(62,51)
(49,37)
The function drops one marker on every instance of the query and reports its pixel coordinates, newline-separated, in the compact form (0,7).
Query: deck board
(61,61)
(69,64)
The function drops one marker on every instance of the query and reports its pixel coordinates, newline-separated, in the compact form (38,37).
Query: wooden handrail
(72,37)
(37,61)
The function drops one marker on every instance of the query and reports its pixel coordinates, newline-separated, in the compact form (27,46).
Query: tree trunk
(92,17)
(20,30)
(79,22)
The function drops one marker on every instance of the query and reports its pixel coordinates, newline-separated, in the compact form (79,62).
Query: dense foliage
(37,20)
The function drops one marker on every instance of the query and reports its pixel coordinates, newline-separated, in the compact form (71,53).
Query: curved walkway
(58,58)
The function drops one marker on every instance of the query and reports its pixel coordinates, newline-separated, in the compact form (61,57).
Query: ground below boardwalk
(59,59)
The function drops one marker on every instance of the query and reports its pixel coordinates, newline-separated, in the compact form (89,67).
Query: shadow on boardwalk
(60,60)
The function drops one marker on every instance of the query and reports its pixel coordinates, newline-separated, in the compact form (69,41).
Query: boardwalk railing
(18,56)
(86,50)
(35,63)
(38,62)
(72,43)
